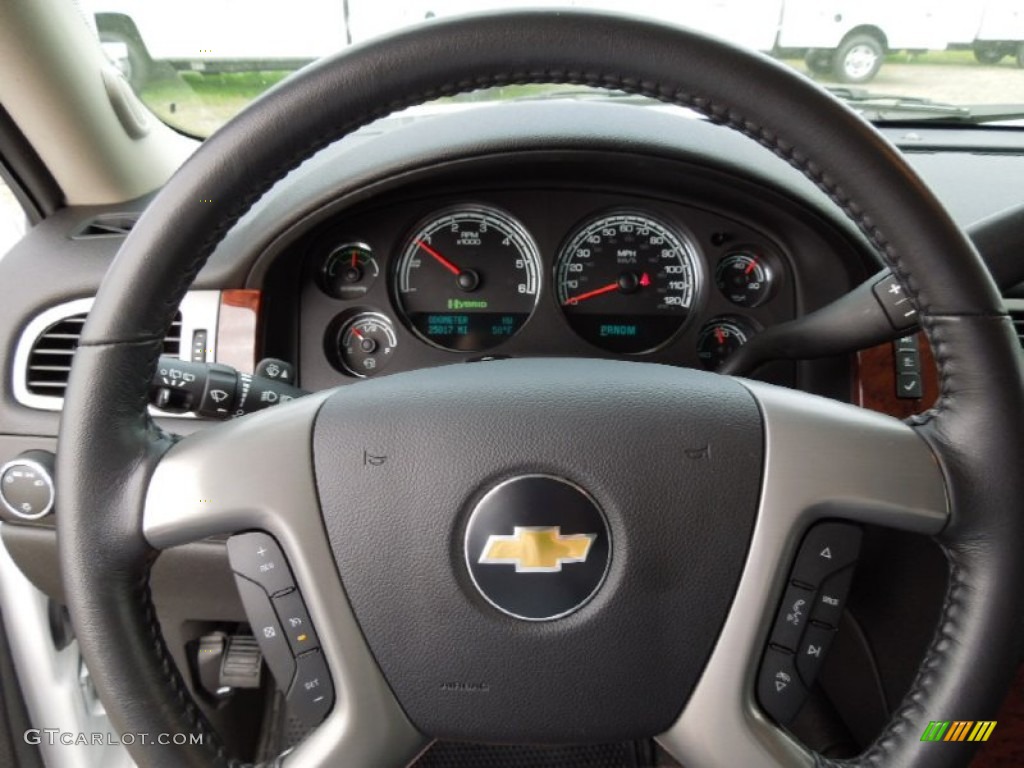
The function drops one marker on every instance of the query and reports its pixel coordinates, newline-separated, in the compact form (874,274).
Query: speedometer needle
(440,259)
(591,294)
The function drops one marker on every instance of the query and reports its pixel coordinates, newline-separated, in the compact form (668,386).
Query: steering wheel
(666,637)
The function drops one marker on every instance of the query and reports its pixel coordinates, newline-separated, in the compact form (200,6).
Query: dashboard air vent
(107,225)
(49,361)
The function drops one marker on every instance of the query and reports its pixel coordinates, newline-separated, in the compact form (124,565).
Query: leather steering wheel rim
(109,446)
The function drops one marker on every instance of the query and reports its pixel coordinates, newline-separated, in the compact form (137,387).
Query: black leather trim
(106,446)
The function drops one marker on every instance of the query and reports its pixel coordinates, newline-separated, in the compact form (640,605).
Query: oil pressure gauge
(366,344)
(745,277)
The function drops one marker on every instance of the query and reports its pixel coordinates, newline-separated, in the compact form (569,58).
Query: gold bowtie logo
(537,549)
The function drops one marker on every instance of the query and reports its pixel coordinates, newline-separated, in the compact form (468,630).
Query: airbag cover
(671,457)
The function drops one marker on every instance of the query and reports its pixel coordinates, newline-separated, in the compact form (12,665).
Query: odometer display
(626,281)
(468,279)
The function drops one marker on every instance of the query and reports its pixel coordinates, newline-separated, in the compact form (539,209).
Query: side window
(13,222)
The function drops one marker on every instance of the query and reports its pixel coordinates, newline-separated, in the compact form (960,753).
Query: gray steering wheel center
(537,547)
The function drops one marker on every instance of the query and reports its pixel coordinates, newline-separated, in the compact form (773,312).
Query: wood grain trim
(875,381)
(237,326)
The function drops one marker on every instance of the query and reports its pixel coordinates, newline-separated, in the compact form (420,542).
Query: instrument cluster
(526,274)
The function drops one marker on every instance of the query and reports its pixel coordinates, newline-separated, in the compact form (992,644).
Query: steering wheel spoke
(829,459)
(824,460)
(255,474)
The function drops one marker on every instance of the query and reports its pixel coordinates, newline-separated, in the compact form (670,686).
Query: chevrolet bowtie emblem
(537,549)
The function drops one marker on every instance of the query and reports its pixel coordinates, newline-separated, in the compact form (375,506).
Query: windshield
(196,63)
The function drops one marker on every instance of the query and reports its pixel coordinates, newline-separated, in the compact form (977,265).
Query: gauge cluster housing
(551,198)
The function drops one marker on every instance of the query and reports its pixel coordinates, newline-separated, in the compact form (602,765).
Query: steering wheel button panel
(827,548)
(268,632)
(812,651)
(257,557)
(831,599)
(779,688)
(312,693)
(793,616)
(298,628)
(808,615)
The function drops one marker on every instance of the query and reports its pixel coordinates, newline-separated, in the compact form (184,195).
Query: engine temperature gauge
(720,338)
(366,344)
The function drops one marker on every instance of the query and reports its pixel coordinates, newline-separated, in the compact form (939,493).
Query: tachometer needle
(440,259)
(720,335)
(591,294)
(750,267)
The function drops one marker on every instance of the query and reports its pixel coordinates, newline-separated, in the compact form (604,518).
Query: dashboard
(551,254)
(729,239)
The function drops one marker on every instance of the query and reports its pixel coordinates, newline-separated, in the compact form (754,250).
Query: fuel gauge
(348,271)
(720,338)
(366,344)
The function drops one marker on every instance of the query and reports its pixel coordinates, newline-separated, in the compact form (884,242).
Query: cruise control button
(257,557)
(812,651)
(268,632)
(794,613)
(312,694)
(779,689)
(827,548)
(831,599)
(295,620)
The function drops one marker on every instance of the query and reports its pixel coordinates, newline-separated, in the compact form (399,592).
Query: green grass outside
(198,103)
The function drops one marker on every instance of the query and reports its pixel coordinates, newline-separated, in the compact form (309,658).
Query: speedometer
(468,278)
(626,281)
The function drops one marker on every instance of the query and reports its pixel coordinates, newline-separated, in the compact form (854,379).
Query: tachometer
(468,278)
(626,281)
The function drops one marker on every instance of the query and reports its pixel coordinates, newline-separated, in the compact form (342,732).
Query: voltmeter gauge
(348,271)
(720,338)
(745,277)
(366,344)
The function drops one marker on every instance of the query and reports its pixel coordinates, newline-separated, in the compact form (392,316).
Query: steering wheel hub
(469,513)
(537,547)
